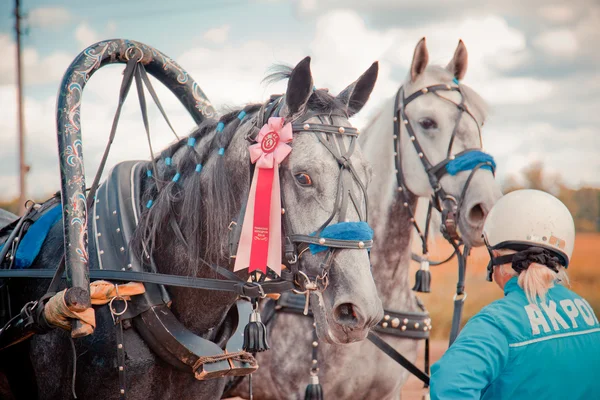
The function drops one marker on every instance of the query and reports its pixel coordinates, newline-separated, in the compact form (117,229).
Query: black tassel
(255,334)
(314,390)
(423,278)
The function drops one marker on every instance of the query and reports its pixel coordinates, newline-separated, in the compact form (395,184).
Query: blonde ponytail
(537,279)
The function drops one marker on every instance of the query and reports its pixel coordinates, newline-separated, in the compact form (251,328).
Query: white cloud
(502,91)
(558,13)
(49,17)
(231,75)
(217,35)
(37,69)
(85,35)
(562,151)
(559,43)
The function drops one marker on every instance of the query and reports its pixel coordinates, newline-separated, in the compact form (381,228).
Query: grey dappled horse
(360,370)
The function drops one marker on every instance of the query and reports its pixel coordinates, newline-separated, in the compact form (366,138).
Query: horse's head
(440,142)
(323,185)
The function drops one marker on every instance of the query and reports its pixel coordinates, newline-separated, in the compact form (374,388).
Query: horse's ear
(420,60)
(458,65)
(357,93)
(299,89)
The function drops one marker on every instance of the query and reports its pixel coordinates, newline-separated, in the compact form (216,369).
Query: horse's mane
(200,189)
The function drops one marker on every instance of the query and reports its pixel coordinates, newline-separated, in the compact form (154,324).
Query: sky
(535,63)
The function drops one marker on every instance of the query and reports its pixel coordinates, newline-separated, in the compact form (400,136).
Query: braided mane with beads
(201,189)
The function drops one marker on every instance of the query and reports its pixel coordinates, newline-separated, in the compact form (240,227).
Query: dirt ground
(413,388)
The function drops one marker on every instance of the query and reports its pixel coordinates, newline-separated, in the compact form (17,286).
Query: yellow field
(584,273)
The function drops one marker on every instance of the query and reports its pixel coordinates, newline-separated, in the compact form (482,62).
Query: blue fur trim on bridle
(343,231)
(470,160)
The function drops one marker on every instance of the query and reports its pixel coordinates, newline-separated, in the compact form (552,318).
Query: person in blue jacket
(542,340)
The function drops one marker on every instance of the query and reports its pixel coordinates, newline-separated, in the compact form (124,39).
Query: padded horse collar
(116,212)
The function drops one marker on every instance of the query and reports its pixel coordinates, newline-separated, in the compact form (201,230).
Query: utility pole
(23,168)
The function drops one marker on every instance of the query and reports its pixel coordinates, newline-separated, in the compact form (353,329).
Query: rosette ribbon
(260,241)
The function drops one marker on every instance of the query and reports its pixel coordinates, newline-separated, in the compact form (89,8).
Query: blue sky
(534,62)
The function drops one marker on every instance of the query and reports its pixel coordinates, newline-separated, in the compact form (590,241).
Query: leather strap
(399,358)
(334,243)
(248,289)
(121,359)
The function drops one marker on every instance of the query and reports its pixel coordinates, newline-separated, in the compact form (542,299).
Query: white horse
(443,130)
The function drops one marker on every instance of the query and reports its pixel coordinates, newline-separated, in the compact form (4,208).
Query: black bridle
(449,206)
(332,138)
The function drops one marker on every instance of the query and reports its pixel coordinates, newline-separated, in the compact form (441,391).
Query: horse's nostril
(345,314)
(476,214)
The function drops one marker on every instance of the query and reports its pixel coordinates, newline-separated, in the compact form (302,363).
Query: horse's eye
(303,179)
(428,123)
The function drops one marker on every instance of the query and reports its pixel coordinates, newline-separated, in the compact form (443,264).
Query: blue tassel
(343,231)
(469,160)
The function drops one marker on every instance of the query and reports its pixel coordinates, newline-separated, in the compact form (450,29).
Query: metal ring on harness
(117,297)
(127,56)
(463,298)
(308,285)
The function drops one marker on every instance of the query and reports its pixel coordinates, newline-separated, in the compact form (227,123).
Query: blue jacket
(515,350)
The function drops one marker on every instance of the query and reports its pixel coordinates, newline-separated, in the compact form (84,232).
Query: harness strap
(460,296)
(399,358)
(334,243)
(125,86)
(248,289)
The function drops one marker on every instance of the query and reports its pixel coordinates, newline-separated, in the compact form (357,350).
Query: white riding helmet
(530,218)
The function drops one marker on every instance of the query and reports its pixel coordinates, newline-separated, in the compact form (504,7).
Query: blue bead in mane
(221,151)
(343,231)
(149,173)
(168,161)
(198,167)
(455,80)
(31,243)
(220,127)
(241,115)
(191,142)
(176,177)
(470,160)
(149,203)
